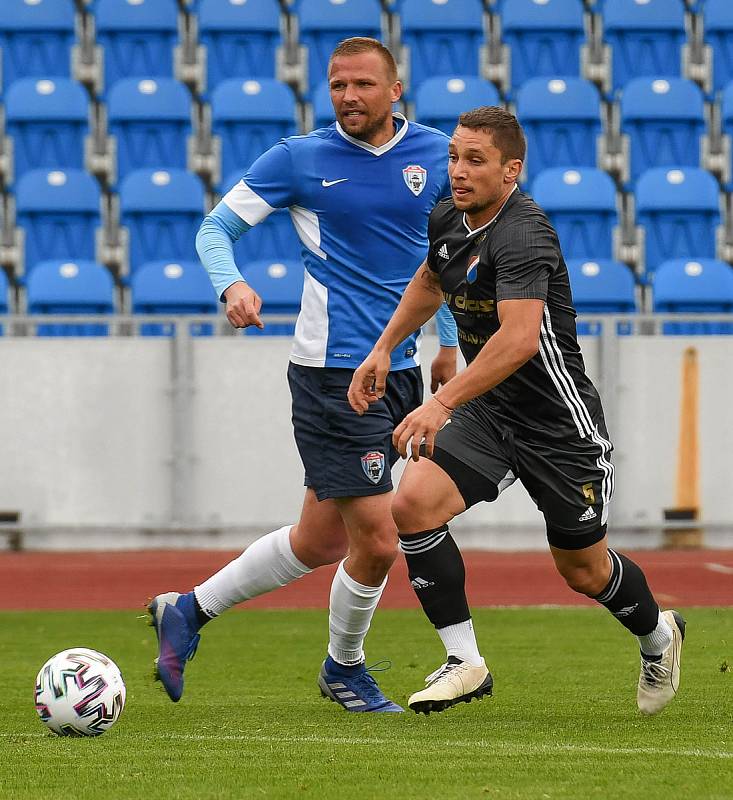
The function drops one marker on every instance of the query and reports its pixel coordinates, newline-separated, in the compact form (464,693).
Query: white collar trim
(383,148)
(474,231)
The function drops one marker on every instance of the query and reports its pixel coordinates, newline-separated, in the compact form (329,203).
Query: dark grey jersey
(517,256)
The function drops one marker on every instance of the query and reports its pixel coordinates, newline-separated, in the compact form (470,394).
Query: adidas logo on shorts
(589,513)
(443,252)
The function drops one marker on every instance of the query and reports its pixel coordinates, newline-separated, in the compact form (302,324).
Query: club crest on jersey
(415,177)
(472,270)
(373,465)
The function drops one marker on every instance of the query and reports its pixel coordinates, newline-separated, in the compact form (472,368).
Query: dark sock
(628,597)
(201,616)
(437,575)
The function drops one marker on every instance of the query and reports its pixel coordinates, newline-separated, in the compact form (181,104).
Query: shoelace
(442,672)
(654,673)
(366,684)
(192,647)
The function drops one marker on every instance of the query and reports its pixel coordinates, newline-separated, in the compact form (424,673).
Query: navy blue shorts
(346,455)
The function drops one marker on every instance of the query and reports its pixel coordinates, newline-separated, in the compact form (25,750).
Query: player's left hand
(369,381)
(443,368)
(420,426)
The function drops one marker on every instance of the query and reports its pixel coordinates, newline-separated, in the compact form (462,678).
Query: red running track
(125,580)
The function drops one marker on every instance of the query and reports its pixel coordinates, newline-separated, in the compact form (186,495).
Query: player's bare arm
(422,298)
(443,368)
(515,343)
(243,305)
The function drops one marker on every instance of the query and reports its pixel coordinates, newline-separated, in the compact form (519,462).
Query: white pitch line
(722,568)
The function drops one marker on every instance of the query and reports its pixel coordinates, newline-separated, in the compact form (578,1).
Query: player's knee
(411,511)
(584,579)
(380,549)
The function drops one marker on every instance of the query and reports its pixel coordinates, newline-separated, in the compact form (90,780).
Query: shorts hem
(361,491)
(575,541)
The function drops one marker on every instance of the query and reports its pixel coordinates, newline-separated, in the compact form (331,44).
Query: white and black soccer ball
(79,692)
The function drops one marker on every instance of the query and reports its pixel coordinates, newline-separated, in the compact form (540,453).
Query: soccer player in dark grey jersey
(522,409)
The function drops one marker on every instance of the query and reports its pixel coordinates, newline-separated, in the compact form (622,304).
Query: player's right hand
(369,381)
(243,305)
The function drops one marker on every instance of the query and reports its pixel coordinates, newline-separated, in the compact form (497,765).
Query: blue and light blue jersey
(361,213)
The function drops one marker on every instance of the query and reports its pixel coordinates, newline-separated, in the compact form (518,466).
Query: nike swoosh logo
(326,183)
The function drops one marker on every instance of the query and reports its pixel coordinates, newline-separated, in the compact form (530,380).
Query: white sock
(265,565)
(656,642)
(460,641)
(351,609)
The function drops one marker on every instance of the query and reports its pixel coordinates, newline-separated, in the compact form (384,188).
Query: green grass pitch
(562,724)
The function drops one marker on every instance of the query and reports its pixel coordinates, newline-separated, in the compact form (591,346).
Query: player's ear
(512,169)
(396,91)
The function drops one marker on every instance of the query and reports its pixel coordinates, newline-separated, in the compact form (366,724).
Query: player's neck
(386,133)
(490,213)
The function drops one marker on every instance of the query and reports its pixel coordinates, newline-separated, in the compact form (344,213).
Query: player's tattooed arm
(430,281)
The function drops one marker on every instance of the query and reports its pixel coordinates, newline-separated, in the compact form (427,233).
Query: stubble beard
(368,128)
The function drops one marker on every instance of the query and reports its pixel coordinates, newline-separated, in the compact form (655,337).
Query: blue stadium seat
(59,210)
(323,115)
(439,101)
(241,40)
(138,37)
(70,287)
(274,238)
(162,210)
(48,120)
(665,120)
(601,287)
(173,288)
(250,116)
(718,27)
(444,38)
(646,38)
(581,204)
(151,120)
(280,285)
(726,119)
(35,39)
(702,285)
(561,118)
(4,299)
(544,37)
(324,23)
(680,212)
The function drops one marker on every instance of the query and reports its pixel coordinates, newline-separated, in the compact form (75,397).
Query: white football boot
(454,682)
(659,680)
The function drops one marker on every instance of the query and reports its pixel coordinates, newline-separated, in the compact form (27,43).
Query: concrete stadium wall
(135,432)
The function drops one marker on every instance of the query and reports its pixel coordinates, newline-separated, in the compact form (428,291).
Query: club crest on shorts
(415,177)
(373,465)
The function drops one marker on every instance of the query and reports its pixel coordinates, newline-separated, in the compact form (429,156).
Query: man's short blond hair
(364,44)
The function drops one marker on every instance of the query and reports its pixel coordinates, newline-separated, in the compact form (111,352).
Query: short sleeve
(525,255)
(430,259)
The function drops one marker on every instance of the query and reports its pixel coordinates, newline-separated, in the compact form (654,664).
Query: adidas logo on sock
(421,583)
(443,252)
(589,513)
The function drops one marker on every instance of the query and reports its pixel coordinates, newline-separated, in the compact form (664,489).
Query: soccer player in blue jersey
(359,194)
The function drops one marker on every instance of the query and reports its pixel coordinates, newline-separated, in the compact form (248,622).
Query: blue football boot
(353,688)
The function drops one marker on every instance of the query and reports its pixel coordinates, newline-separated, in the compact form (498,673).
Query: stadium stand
(280,285)
(68,288)
(240,39)
(48,120)
(718,26)
(440,39)
(664,119)
(59,213)
(151,122)
(440,100)
(694,286)
(4,297)
(323,114)
(162,210)
(36,39)
(601,287)
(726,118)
(581,203)
(679,210)
(562,122)
(172,288)
(249,116)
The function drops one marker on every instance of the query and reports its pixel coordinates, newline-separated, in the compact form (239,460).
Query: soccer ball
(79,692)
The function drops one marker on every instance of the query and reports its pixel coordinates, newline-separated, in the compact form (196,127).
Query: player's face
(479,181)
(362,95)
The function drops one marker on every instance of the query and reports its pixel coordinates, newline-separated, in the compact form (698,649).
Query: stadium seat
(138,37)
(280,285)
(48,121)
(439,101)
(718,27)
(726,120)
(70,287)
(324,23)
(162,210)
(250,116)
(151,120)
(561,118)
(544,37)
(664,119)
(601,287)
(241,39)
(173,288)
(702,285)
(442,37)
(646,38)
(35,39)
(581,204)
(59,211)
(323,115)
(4,299)
(680,212)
